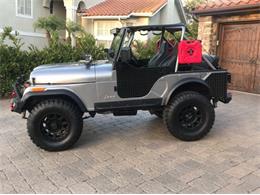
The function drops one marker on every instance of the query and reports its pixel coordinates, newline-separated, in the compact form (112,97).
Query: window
(24,8)
(102,29)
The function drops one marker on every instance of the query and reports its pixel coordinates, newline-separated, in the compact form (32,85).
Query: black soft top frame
(168,27)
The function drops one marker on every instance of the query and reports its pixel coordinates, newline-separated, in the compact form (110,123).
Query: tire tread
(72,108)
(171,106)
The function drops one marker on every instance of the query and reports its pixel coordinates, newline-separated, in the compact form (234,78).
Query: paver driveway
(137,155)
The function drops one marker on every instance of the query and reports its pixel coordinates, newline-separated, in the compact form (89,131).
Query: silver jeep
(58,97)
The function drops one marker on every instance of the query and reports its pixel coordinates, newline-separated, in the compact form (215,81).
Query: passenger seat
(156,60)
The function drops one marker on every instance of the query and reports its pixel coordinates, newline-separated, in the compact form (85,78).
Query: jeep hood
(67,73)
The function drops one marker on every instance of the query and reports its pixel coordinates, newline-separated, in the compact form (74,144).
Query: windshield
(115,45)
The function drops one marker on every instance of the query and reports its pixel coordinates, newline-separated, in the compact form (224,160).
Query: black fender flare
(186,81)
(53,94)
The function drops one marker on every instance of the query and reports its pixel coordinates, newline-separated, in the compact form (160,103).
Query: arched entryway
(58,9)
(81,6)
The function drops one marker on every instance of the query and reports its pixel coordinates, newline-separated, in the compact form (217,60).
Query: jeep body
(123,84)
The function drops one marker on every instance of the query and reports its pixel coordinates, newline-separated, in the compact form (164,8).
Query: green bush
(86,44)
(14,61)
(145,49)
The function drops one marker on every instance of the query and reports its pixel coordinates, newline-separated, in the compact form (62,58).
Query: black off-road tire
(189,116)
(68,117)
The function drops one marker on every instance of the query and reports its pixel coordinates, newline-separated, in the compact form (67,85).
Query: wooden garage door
(239,52)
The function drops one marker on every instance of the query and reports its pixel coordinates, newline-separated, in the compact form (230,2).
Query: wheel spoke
(190,117)
(55,126)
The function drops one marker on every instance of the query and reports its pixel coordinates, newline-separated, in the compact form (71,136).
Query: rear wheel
(189,116)
(55,124)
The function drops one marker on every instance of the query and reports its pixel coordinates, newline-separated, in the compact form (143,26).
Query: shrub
(86,44)
(15,62)
(145,49)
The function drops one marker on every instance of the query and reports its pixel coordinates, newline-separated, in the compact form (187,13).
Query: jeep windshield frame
(120,34)
(116,43)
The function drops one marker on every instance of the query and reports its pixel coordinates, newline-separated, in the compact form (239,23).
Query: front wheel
(189,116)
(55,124)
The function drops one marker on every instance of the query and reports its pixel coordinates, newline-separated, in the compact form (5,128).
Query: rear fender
(189,84)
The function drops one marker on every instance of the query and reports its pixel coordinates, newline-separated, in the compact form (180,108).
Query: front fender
(28,98)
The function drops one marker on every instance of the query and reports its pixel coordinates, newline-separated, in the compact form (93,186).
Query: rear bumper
(227,98)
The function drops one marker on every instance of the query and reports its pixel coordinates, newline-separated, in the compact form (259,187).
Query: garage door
(239,52)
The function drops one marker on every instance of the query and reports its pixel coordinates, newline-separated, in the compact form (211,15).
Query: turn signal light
(38,89)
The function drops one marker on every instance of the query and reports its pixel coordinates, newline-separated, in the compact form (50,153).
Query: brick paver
(137,155)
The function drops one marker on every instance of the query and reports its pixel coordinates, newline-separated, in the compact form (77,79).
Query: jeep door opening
(174,81)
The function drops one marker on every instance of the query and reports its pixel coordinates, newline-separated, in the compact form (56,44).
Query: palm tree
(50,24)
(73,28)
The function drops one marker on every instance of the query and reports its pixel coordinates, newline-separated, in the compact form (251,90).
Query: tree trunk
(48,36)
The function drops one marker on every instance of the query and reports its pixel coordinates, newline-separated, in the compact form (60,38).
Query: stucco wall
(8,15)
(88,25)
(156,19)
(169,14)
(25,25)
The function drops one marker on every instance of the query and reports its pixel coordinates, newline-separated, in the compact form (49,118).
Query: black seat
(159,56)
(170,60)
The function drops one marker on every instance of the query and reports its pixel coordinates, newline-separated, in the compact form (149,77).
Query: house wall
(170,14)
(156,19)
(209,28)
(89,26)
(24,25)
(167,15)
(59,10)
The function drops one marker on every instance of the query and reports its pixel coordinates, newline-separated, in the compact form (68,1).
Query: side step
(125,113)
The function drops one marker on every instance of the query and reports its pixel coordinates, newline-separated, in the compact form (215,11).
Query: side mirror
(87,59)
(125,54)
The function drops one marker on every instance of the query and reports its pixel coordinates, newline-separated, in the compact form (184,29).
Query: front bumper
(16,100)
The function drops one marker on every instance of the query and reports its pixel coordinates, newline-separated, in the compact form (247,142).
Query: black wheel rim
(190,117)
(55,126)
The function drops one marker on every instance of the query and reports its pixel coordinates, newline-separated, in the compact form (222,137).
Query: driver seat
(160,56)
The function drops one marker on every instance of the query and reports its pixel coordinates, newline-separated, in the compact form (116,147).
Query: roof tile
(213,4)
(124,7)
